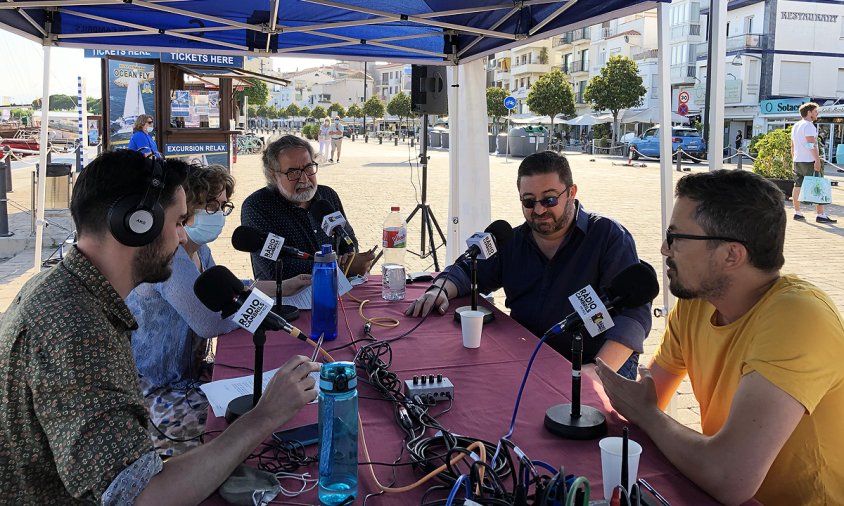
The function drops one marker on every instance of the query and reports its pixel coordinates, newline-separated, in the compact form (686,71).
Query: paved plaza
(373,177)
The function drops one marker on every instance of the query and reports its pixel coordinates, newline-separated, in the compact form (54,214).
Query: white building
(572,50)
(529,63)
(394,78)
(346,91)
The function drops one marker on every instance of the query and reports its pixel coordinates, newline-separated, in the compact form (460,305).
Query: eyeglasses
(547,202)
(294,174)
(214,206)
(671,236)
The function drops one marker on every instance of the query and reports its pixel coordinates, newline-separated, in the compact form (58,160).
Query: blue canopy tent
(433,32)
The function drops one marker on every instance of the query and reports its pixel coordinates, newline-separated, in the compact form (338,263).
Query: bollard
(412,140)
(395,141)
(8,164)
(79,158)
(380,139)
(4,210)
(366,138)
(679,168)
(739,159)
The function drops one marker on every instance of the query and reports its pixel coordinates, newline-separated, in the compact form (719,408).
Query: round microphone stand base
(591,423)
(238,407)
(488,314)
(287,312)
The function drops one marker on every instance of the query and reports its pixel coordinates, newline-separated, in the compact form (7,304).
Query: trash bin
(434,138)
(444,139)
(839,154)
(502,144)
(527,140)
(491,143)
(58,185)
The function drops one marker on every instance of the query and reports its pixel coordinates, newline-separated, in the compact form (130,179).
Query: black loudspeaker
(429,90)
(136,219)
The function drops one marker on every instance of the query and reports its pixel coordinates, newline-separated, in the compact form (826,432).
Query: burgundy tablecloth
(486,383)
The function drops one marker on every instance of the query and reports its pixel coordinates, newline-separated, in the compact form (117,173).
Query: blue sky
(23,63)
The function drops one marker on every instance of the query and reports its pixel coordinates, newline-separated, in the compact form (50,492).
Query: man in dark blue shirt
(559,249)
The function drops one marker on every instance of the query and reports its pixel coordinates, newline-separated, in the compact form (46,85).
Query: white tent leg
(42,166)
(717,16)
(469,208)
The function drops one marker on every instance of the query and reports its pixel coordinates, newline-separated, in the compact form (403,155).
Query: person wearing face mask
(336,135)
(324,139)
(172,341)
(142,138)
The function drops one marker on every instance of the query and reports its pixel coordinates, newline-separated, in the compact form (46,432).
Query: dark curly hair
(205,182)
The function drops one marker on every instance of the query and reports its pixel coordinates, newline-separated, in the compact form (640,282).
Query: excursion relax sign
(206,60)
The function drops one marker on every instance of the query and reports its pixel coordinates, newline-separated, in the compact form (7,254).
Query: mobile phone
(306,435)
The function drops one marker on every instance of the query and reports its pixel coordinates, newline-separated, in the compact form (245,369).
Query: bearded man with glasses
(559,249)
(282,208)
(763,352)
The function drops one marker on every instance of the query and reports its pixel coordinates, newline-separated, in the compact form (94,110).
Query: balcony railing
(583,33)
(578,98)
(563,39)
(608,32)
(644,55)
(736,43)
(574,66)
(687,30)
(683,73)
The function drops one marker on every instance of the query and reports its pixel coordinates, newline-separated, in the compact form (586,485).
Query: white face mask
(150,129)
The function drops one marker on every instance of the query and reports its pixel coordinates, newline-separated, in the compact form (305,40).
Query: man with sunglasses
(282,208)
(559,249)
(763,352)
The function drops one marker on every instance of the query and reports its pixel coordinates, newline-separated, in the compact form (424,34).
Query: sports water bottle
(394,244)
(338,430)
(324,295)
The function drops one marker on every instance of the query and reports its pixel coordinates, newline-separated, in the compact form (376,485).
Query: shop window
(194,109)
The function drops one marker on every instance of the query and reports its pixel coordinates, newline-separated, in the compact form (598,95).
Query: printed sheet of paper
(220,393)
(303,299)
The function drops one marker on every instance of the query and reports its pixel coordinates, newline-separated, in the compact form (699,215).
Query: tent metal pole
(539,26)
(666,179)
(42,166)
(715,104)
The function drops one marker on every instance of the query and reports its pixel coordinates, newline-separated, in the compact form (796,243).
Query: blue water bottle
(338,429)
(324,301)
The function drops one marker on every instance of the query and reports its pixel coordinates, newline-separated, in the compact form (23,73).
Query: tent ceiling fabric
(421,31)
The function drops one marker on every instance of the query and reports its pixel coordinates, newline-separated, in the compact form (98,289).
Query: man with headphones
(74,425)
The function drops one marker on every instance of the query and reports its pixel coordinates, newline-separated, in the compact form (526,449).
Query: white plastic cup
(471,322)
(611,463)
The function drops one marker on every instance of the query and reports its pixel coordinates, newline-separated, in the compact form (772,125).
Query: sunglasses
(671,236)
(294,174)
(547,202)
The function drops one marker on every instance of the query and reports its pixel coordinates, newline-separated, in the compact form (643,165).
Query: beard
(304,192)
(709,289)
(151,265)
(547,227)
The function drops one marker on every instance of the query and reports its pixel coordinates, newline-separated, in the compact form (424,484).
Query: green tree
(94,105)
(335,107)
(354,111)
(305,111)
(253,111)
(495,105)
(773,154)
(551,95)
(318,112)
(256,90)
(400,106)
(292,110)
(619,86)
(374,108)
(58,102)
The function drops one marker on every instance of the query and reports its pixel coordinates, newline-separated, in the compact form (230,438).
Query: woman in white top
(324,139)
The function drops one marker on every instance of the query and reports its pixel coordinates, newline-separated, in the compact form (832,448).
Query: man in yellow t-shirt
(763,352)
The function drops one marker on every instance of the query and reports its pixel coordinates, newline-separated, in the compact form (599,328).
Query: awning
(232,73)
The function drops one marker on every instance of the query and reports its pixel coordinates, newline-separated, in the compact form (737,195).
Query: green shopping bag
(816,190)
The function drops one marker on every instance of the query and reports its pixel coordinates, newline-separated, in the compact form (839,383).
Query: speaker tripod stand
(429,222)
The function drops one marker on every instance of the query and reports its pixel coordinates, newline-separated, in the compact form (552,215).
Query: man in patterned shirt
(73,426)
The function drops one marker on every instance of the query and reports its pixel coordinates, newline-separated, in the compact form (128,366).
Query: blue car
(682,137)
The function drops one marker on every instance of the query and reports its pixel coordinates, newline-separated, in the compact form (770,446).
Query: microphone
(634,286)
(483,245)
(220,291)
(333,222)
(268,245)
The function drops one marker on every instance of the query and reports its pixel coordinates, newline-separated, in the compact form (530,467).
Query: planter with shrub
(773,159)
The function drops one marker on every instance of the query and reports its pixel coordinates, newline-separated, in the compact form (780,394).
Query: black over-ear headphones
(136,219)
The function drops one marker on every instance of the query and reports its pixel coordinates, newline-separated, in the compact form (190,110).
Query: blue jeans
(630,368)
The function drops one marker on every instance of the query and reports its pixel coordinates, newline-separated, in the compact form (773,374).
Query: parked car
(681,137)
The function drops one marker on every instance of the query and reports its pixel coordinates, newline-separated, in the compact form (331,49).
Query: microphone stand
(286,311)
(488,314)
(573,421)
(241,405)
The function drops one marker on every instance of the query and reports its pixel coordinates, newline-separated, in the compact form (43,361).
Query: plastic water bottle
(394,244)
(338,430)
(324,295)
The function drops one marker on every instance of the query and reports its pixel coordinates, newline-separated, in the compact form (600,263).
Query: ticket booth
(190,97)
